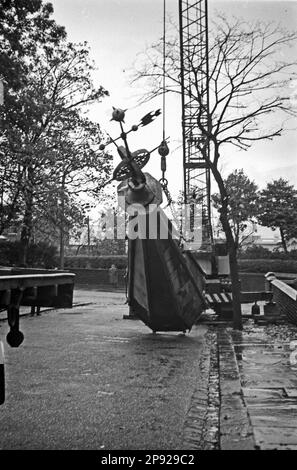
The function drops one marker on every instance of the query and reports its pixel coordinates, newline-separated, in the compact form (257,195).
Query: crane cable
(164,65)
(163,149)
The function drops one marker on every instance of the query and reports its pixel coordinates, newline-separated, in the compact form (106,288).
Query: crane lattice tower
(193,19)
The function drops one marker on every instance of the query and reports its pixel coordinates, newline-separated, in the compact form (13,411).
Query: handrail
(32,280)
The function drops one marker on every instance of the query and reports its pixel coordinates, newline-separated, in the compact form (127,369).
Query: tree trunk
(26,232)
(5,220)
(62,248)
(236,301)
(27,228)
(231,247)
(283,239)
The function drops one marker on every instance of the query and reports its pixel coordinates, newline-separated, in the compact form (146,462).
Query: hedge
(120,261)
(44,256)
(259,252)
(40,255)
(266,265)
(98,262)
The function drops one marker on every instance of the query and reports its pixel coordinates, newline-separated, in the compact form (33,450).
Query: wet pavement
(84,378)
(257,377)
(268,377)
(87,379)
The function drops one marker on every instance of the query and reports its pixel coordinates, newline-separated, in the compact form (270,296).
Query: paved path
(87,379)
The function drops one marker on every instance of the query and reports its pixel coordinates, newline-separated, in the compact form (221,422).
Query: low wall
(255,282)
(97,277)
(91,277)
(250,282)
(284,296)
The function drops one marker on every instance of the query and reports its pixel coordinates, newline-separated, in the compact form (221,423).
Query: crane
(193,30)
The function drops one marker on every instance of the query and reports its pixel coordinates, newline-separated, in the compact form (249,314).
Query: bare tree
(248,82)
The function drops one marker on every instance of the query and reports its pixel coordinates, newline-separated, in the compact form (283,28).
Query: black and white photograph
(148,229)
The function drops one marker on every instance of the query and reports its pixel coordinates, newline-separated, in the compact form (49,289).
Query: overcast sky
(118,30)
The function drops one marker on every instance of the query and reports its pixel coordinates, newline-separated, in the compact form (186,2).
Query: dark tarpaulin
(164,290)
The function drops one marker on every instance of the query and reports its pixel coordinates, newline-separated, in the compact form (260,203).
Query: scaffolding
(193,29)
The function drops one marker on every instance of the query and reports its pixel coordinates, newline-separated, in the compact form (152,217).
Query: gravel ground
(273,332)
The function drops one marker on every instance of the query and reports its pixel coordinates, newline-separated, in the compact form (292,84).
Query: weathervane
(133,162)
